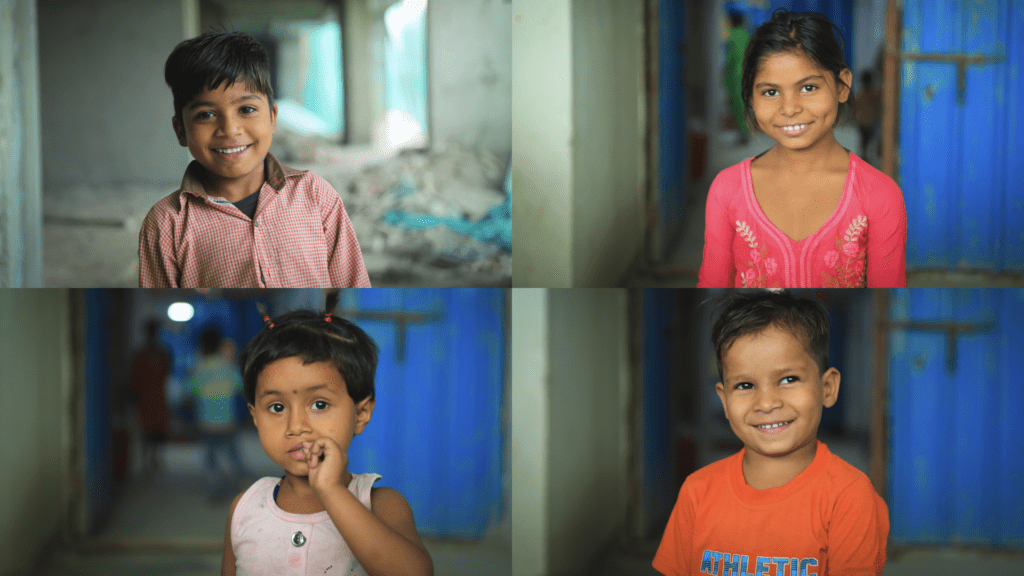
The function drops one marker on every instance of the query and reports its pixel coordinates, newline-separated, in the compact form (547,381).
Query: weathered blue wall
(99,469)
(956,462)
(436,430)
(673,156)
(959,163)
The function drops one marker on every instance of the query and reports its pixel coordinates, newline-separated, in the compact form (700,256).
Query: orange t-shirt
(826,520)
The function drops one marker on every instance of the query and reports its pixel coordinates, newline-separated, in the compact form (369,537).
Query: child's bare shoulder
(234,504)
(387,500)
(393,509)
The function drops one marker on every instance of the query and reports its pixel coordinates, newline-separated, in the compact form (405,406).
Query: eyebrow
(797,83)
(776,372)
(277,393)
(199,103)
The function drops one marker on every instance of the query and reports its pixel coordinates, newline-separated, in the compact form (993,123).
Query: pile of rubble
(448,184)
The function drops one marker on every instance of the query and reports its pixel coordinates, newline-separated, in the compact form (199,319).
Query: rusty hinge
(962,62)
(952,330)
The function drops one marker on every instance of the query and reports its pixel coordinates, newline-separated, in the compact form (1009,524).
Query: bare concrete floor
(163,523)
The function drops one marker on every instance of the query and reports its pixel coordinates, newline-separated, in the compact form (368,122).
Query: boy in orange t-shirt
(784,505)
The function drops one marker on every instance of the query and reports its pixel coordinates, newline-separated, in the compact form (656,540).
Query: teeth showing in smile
(231,150)
(769,426)
(797,128)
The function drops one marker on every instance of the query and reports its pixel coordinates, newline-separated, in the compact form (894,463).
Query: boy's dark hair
(749,313)
(308,335)
(209,341)
(210,59)
(810,33)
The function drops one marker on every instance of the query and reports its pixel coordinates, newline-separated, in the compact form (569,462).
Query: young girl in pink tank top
(309,385)
(806,213)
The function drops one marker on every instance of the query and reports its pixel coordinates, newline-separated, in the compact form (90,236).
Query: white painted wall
(579,173)
(530,434)
(35,382)
(106,110)
(469,61)
(21,249)
(569,401)
(542,137)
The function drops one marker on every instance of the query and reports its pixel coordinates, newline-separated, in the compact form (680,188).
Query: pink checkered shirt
(300,237)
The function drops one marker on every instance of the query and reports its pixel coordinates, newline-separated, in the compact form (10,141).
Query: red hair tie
(327,318)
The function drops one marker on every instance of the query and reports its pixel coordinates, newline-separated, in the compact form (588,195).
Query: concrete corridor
(163,524)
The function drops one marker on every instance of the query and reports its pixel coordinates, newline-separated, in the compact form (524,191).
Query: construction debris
(423,218)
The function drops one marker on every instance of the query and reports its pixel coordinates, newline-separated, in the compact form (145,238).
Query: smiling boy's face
(229,130)
(769,378)
(297,403)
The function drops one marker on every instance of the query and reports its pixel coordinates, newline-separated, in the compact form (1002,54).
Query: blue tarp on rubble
(495,227)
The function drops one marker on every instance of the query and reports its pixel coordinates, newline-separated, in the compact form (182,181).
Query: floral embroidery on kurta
(760,269)
(845,266)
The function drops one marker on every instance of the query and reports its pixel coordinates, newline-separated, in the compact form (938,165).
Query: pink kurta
(863,243)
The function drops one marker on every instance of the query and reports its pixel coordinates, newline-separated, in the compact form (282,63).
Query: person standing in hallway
(738,38)
(212,388)
(868,112)
(151,365)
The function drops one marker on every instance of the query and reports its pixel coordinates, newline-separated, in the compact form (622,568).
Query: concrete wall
(542,137)
(362,54)
(569,401)
(34,421)
(530,424)
(21,251)
(587,457)
(609,103)
(106,111)
(579,173)
(469,61)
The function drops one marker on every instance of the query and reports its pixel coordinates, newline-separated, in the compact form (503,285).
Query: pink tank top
(268,540)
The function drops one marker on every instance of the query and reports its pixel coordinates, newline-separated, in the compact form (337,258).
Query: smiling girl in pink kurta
(806,213)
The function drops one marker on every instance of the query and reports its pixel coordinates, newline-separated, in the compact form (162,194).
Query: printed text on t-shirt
(726,564)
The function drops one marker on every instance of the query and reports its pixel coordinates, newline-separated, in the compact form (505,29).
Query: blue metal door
(672,154)
(960,128)
(98,469)
(955,398)
(436,432)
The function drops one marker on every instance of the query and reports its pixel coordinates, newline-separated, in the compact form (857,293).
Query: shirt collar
(274,174)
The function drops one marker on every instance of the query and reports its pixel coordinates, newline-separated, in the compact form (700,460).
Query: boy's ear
(720,388)
(273,119)
(364,411)
(252,412)
(830,386)
(179,131)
